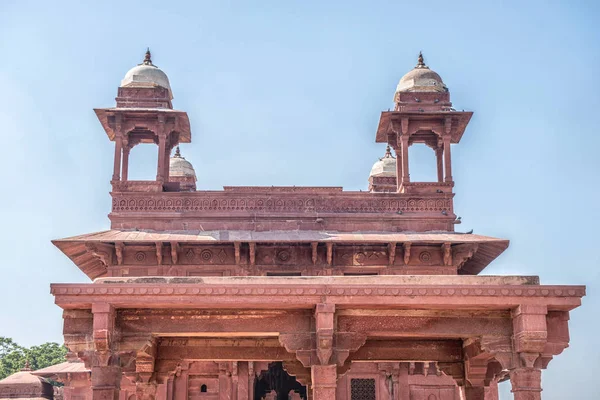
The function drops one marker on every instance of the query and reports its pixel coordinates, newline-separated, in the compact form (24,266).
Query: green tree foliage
(13,357)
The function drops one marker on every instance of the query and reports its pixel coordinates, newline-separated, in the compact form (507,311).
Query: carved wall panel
(217,203)
(206,255)
(361,256)
(426,255)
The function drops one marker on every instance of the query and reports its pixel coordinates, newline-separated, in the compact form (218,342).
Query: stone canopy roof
(78,248)
(25,385)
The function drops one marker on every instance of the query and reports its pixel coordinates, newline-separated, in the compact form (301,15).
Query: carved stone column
(162,145)
(530,336)
(404,144)
(225,381)
(125,167)
(447,159)
(439,152)
(323,379)
(526,383)
(106,369)
(398,151)
(117,166)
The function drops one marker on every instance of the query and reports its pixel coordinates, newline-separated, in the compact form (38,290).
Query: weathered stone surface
(262,292)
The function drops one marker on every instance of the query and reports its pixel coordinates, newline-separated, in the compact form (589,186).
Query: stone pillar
(526,383)
(491,391)
(117,166)
(224,381)
(398,152)
(447,159)
(125,168)
(180,386)
(167,162)
(251,379)
(439,152)
(405,174)
(323,378)
(162,145)
(106,369)
(475,393)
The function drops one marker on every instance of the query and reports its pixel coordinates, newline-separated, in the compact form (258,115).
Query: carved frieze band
(122,202)
(165,289)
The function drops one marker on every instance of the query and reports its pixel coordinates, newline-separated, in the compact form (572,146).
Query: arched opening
(422,163)
(275,383)
(142,162)
(203,389)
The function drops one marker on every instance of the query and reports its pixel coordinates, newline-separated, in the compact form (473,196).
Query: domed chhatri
(24,385)
(421,79)
(146,75)
(385,166)
(383,174)
(182,171)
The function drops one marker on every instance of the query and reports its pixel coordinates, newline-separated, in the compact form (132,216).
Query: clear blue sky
(282,93)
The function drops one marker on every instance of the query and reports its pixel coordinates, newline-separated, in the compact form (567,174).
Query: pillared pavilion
(251,293)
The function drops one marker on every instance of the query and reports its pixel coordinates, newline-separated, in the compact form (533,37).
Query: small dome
(385,166)
(180,167)
(421,79)
(146,74)
(24,385)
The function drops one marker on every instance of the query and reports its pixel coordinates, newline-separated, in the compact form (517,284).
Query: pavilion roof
(62,368)
(75,247)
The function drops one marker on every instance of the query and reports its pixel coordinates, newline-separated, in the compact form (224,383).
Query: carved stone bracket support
(236,248)
(119,247)
(447,253)
(174,253)
(159,253)
(406,247)
(391,253)
(324,317)
(252,252)
(329,254)
(106,370)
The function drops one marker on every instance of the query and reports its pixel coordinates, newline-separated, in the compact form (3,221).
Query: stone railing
(137,186)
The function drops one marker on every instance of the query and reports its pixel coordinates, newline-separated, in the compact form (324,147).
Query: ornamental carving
(206,203)
(456,291)
(206,255)
(284,255)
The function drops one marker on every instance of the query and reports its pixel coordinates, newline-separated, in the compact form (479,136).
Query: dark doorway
(277,379)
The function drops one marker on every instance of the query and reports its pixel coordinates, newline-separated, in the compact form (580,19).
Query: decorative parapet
(137,186)
(241,201)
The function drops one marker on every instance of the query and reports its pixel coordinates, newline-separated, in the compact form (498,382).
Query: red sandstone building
(298,292)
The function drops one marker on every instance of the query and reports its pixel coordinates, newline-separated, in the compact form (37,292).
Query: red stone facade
(299,292)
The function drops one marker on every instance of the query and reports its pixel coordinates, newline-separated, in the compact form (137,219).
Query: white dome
(180,167)
(385,166)
(146,75)
(421,79)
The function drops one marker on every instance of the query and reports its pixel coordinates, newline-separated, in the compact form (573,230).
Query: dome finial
(177,152)
(148,57)
(420,61)
(388,153)
(27,366)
